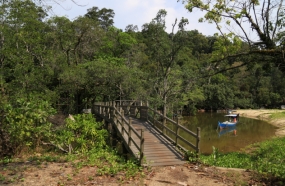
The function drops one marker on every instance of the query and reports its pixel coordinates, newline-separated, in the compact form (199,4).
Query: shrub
(81,134)
(24,123)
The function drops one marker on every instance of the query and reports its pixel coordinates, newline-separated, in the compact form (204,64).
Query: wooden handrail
(133,108)
(122,125)
(176,133)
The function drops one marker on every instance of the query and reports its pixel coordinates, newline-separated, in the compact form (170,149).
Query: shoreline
(264,114)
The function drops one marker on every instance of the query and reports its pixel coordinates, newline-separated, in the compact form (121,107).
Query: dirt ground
(57,174)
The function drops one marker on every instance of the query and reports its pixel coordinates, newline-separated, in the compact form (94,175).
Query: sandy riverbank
(263,114)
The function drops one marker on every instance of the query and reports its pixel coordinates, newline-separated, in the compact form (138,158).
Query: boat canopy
(231,115)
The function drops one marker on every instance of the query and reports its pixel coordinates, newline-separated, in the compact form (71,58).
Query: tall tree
(23,53)
(104,16)
(246,19)
(163,49)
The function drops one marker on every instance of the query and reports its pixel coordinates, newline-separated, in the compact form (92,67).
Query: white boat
(232,121)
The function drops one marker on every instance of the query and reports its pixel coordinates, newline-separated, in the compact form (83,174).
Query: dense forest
(70,64)
(53,66)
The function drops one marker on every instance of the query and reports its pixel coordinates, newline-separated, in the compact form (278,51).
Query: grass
(277,115)
(267,159)
(2,177)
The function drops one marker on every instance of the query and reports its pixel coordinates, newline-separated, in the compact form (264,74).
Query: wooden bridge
(153,139)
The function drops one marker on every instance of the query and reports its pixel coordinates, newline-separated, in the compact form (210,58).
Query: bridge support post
(130,133)
(154,114)
(142,147)
(164,124)
(198,142)
(122,122)
(114,117)
(110,129)
(176,132)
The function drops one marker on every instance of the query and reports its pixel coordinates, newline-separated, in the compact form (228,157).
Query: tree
(163,49)
(244,19)
(104,16)
(23,53)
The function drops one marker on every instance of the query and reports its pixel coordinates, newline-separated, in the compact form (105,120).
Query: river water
(247,131)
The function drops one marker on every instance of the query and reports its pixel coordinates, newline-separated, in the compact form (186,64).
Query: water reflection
(247,131)
(229,130)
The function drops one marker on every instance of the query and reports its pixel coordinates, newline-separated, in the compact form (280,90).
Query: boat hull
(227,124)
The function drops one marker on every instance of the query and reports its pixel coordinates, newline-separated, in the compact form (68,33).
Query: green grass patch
(267,158)
(277,115)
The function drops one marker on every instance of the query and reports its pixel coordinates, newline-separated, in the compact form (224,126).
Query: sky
(136,12)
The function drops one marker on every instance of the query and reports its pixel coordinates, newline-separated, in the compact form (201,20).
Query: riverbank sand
(264,114)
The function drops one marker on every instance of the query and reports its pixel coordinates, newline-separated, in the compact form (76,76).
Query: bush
(81,134)
(24,124)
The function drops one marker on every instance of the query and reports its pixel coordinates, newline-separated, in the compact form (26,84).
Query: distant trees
(73,63)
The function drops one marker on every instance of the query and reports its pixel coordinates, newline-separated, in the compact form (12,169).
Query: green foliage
(81,134)
(104,16)
(230,160)
(25,122)
(268,158)
(191,156)
(110,163)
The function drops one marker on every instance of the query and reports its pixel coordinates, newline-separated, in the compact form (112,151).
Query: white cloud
(131,4)
(136,12)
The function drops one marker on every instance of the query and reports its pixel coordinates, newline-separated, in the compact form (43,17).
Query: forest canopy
(73,63)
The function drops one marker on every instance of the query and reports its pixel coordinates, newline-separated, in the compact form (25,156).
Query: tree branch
(277,20)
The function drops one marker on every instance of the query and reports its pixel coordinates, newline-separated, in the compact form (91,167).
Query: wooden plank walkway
(158,151)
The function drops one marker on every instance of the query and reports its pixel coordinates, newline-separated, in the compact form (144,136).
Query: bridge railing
(174,134)
(133,108)
(169,128)
(133,140)
(173,131)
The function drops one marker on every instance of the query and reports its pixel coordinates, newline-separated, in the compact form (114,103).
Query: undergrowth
(268,159)
(81,140)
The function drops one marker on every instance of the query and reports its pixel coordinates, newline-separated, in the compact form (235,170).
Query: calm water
(248,131)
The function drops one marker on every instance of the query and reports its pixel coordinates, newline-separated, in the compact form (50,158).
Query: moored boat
(232,121)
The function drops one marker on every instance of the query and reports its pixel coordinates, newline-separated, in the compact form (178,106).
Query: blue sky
(136,12)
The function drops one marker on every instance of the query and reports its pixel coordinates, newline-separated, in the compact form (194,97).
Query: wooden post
(115,117)
(176,132)
(153,118)
(108,112)
(113,113)
(111,133)
(142,147)
(122,122)
(198,142)
(130,133)
(164,124)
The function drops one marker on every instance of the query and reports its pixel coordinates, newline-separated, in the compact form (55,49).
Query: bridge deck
(158,151)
